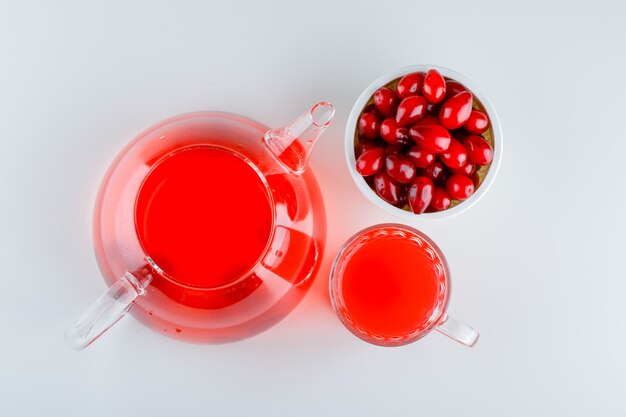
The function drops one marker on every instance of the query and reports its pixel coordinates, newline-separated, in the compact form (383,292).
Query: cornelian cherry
(410,110)
(479,151)
(369,124)
(410,85)
(370,162)
(387,188)
(428,119)
(453,88)
(420,157)
(436,172)
(388,130)
(456,110)
(460,187)
(468,169)
(441,199)
(400,168)
(477,123)
(392,133)
(420,194)
(434,87)
(386,101)
(455,156)
(433,138)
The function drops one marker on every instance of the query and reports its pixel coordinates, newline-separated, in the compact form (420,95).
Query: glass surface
(218,237)
(390,286)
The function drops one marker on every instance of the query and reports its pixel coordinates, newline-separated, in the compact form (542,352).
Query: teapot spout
(292,145)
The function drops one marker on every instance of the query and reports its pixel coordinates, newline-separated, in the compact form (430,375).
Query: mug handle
(458,331)
(105,312)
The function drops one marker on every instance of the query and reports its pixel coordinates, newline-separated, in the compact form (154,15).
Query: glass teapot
(210,226)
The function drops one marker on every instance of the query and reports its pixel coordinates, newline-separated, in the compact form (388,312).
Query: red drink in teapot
(210,226)
(204,215)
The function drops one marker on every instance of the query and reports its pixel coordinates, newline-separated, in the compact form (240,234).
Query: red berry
(434,87)
(433,138)
(386,101)
(460,187)
(363,146)
(468,169)
(456,110)
(420,194)
(420,157)
(392,133)
(369,124)
(370,162)
(455,156)
(436,172)
(479,151)
(428,119)
(441,199)
(400,168)
(388,130)
(387,188)
(453,88)
(477,123)
(410,110)
(410,85)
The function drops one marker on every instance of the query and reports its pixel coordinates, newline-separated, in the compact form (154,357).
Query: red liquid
(184,194)
(293,155)
(203,215)
(391,287)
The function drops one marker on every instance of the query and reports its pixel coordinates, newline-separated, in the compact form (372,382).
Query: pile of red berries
(421,144)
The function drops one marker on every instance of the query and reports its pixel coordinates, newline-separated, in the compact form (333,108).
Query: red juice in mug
(390,284)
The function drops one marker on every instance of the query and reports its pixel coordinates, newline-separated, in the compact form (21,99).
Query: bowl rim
(371,194)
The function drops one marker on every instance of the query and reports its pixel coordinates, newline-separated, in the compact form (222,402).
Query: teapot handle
(105,312)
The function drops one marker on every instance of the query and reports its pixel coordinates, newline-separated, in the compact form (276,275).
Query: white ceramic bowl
(371,194)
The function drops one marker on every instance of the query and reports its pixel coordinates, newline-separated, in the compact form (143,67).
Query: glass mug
(390,286)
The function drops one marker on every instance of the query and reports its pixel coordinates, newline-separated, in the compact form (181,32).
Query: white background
(537,264)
